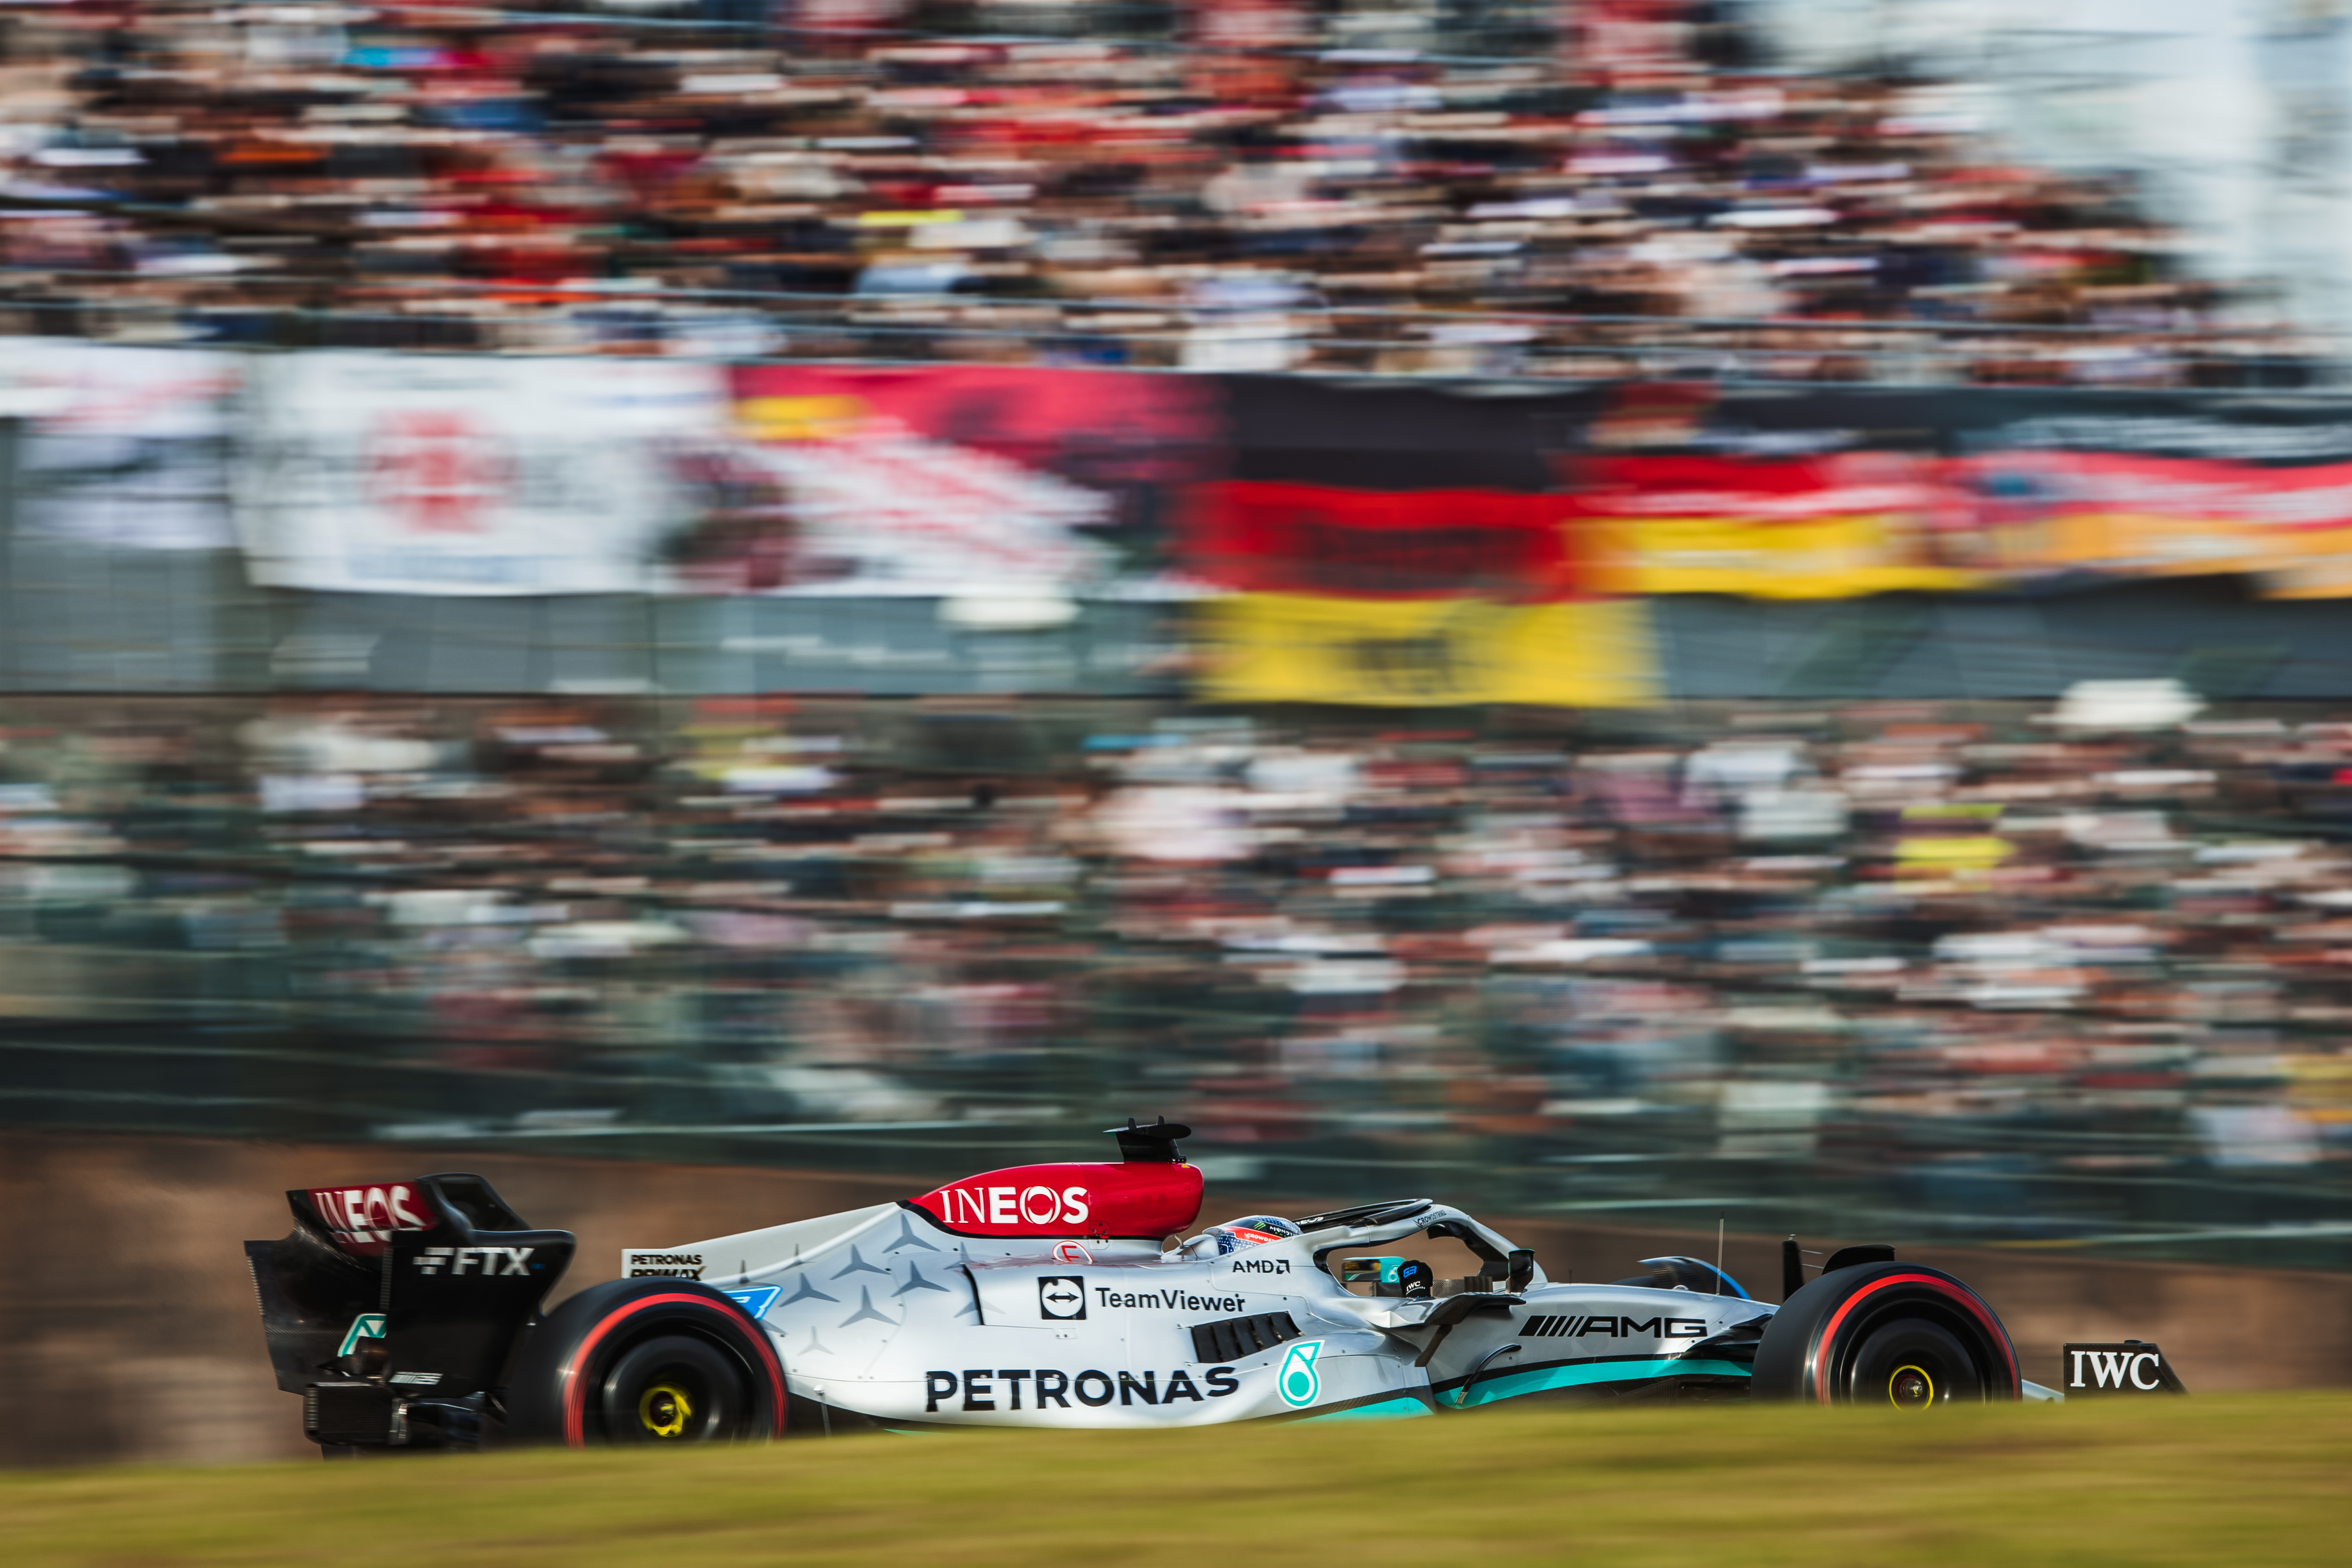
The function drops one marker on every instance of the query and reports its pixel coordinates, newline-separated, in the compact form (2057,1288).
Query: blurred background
(1629,612)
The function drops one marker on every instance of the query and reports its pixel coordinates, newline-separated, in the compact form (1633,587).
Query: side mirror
(1522,1261)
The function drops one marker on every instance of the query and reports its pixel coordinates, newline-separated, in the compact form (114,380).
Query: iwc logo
(1299,1383)
(1061,1297)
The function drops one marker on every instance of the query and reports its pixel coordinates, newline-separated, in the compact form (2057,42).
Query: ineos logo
(1017,1206)
(1062,1297)
(362,1219)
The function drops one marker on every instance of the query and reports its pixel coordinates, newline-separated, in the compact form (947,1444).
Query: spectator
(1998,971)
(494,181)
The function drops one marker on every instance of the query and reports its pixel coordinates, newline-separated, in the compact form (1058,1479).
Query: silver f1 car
(1044,1296)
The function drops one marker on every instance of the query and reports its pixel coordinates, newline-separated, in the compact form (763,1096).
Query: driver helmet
(1250,1230)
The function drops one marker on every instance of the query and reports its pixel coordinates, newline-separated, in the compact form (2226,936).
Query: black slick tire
(1898,1335)
(646,1361)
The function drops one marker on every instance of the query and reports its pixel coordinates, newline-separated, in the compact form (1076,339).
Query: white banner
(124,445)
(419,474)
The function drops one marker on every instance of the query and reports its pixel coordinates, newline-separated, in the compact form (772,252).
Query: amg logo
(1572,1326)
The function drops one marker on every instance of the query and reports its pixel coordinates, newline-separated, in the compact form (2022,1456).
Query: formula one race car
(1043,1296)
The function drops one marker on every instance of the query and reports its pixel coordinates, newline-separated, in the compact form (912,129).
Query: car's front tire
(1892,1335)
(646,1361)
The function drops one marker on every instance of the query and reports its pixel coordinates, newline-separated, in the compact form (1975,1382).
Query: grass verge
(2224,1480)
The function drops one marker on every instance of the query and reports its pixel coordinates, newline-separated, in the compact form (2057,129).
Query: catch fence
(560,930)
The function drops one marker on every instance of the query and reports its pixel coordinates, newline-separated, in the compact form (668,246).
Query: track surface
(2240,1479)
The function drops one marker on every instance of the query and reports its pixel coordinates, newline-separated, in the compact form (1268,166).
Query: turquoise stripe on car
(1505,1386)
(1394,1409)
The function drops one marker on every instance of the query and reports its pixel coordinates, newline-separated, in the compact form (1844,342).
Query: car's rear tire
(646,1361)
(1897,1335)
(672,1389)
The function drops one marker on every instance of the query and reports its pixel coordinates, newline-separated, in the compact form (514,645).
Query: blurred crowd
(1254,187)
(1998,965)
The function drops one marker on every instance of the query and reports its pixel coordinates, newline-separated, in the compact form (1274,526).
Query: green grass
(2233,1480)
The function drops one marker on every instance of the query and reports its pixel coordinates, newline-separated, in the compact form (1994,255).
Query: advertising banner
(969,482)
(1700,488)
(475,475)
(1814,528)
(1403,546)
(2150,487)
(1377,435)
(2161,517)
(1287,648)
(1781,494)
(1257,536)
(125,446)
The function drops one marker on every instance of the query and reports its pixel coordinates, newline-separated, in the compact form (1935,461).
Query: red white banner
(954,481)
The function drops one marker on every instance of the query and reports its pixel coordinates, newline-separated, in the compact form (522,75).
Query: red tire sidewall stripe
(1817,1362)
(575,1387)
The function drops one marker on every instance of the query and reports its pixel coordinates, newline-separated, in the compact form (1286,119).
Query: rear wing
(418,1286)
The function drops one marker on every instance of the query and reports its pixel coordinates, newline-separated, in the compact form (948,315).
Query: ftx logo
(499,1260)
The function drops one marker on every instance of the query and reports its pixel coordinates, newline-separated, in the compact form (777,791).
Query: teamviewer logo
(1062,1297)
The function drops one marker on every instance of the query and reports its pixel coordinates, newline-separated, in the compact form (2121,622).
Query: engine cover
(1132,1200)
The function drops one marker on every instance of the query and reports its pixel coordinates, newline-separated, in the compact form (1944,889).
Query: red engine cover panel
(1146,1198)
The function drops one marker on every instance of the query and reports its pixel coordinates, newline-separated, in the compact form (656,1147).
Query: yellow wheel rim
(1910,1388)
(664,1409)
